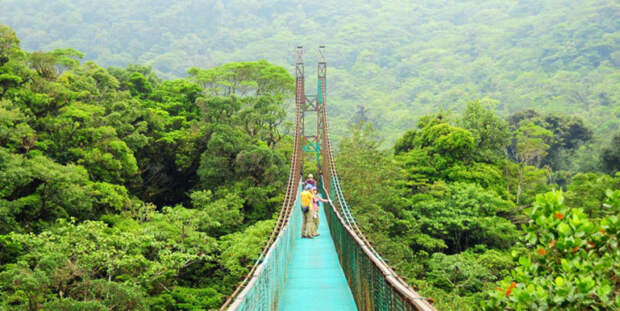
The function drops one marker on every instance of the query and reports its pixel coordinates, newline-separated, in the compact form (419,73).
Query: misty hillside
(397,60)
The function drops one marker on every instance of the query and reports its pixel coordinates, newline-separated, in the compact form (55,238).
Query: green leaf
(603,291)
(564,229)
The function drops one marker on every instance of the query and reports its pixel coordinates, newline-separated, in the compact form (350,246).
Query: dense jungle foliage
(391,61)
(469,209)
(121,191)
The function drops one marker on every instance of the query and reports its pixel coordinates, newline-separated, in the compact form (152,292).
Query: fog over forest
(399,60)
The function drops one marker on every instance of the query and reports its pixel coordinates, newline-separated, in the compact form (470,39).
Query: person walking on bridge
(310,181)
(306,202)
(316,219)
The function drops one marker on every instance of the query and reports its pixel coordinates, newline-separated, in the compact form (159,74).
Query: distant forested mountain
(150,178)
(390,62)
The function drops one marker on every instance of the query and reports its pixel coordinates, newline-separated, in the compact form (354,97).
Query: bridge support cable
(375,286)
(262,285)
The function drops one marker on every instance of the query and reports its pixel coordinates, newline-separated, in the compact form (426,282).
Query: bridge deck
(315,280)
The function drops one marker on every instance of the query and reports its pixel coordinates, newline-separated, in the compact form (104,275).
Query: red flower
(574,249)
(510,288)
(552,244)
(603,231)
(591,244)
(559,215)
(542,251)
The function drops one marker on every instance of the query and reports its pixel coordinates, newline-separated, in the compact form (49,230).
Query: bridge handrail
(386,292)
(283,217)
(348,221)
(391,278)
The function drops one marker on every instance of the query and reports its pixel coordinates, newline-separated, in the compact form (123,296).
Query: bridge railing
(264,287)
(373,283)
(261,287)
(375,286)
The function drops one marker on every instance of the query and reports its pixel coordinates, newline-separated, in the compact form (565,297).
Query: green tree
(98,166)
(610,155)
(589,191)
(491,133)
(531,148)
(459,216)
(9,44)
(371,183)
(115,266)
(15,131)
(50,65)
(244,79)
(570,261)
(440,151)
(37,191)
(241,249)
(568,134)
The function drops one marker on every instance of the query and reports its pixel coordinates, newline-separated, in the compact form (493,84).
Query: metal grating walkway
(315,280)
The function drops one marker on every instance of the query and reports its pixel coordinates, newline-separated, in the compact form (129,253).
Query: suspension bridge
(339,270)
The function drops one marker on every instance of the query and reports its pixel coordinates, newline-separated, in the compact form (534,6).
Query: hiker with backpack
(306,205)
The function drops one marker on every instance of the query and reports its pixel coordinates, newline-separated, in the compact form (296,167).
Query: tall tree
(610,155)
(490,132)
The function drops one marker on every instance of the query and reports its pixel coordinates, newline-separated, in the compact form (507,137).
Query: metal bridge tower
(373,283)
(313,103)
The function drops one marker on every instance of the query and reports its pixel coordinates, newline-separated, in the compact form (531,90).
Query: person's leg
(317,222)
(304,224)
(313,226)
(308,218)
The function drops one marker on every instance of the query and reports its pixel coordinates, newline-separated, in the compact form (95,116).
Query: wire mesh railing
(373,283)
(266,284)
(243,294)
(375,286)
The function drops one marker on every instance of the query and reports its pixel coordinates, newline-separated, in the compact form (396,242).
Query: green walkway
(315,280)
